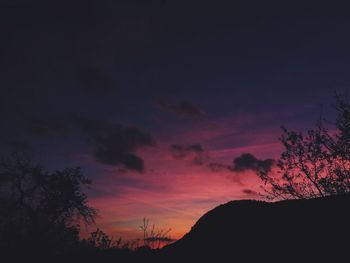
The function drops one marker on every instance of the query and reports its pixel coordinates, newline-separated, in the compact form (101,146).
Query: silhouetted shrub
(41,211)
(154,238)
(314,164)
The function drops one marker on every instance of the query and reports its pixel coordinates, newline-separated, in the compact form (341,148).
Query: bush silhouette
(314,164)
(41,210)
(154,238)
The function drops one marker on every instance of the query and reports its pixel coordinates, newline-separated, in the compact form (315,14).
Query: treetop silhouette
(41,208)
(313,164)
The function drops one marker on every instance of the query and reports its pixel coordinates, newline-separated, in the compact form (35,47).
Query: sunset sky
(156,99)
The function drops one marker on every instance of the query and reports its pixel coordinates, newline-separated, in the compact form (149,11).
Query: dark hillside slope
(285,231)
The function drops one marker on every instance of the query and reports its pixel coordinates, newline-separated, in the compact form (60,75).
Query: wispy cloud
(182,109)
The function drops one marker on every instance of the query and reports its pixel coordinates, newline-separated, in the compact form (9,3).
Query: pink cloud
(174,193)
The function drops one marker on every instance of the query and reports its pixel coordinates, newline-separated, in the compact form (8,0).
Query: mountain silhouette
(256,231)
(307,230)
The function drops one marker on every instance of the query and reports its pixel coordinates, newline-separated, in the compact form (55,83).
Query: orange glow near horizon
(174,193)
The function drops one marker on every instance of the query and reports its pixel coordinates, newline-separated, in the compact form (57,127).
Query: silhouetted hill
(313,230)
(256,231)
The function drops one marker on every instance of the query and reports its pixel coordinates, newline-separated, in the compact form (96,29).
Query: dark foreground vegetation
(307,230)
(42,213)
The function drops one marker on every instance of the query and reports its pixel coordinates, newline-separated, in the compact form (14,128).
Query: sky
(168,106)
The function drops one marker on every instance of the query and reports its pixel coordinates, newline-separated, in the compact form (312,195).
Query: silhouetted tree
(41,209)
(314,164)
